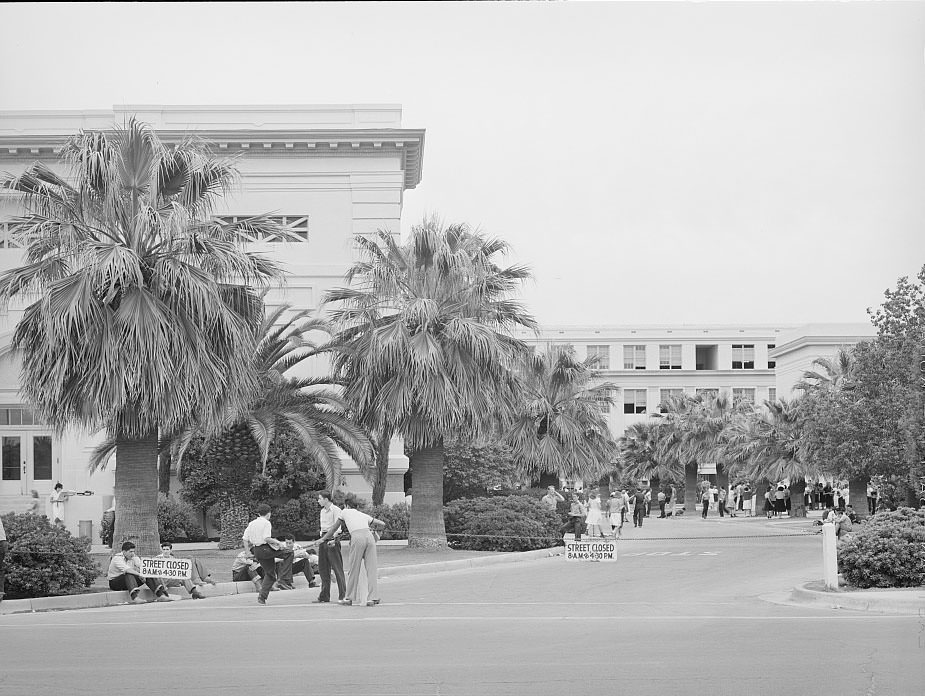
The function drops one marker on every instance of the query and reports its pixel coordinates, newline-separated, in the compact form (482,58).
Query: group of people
(271,561)
(606,517)
(276,556)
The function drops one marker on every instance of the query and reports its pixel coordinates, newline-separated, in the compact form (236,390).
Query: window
(664,395)
(771,363)
(19,416)
(604,394)
(772,394)
(669,357)
(295,225)
(634,357)
(708,393)
(8,239)
(601,357)
(634,401)
(746,394)
(743,357)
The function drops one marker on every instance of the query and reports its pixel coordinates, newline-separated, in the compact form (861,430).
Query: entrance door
(25,462)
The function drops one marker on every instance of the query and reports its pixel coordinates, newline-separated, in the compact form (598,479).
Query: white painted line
(506,619)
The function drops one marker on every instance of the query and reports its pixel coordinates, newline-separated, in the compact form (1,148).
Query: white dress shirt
(329,518)
(257,531)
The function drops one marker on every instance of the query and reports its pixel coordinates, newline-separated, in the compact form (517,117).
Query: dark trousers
(706,508)
(4,547)
(661,508)
(722,508)
(330,558)
(246,574)
(639,512)
(573,525)
(131,582)
(268,565)
(871,509)
(300,566)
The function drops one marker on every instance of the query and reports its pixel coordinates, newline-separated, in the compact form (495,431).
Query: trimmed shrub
(397,519)
(44,559)
(502,523)
(176,522)
(887,551)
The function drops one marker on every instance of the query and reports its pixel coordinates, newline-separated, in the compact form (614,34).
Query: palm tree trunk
(427,530)
(382,467)
(135,491)
(690,488)
(234,515)
(798,497)
(163,473)
(857,494)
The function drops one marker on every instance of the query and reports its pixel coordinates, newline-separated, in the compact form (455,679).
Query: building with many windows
(327,173)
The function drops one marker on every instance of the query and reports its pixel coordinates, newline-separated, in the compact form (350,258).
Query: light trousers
(362,550)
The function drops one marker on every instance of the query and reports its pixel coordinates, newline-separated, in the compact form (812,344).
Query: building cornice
(807,341)
(406,143)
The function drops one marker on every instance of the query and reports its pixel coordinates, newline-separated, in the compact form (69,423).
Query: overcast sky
(653,163)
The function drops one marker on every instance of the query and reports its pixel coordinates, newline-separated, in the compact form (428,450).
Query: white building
(799,346)
(327,172)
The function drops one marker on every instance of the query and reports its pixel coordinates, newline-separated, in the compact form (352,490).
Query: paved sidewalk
(881,601)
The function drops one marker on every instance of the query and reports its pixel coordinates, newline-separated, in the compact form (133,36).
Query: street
(673,615)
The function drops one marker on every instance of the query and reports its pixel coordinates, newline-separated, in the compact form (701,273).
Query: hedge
(501,523)
(887,551)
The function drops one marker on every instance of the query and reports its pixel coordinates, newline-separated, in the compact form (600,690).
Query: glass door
(26,462)
(13,468)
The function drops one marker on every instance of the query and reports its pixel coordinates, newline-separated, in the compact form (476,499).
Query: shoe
(138,600)
(261,602)
(164,598)
(285,586)
(345,602)
(372,602)
(196,594)
(321,601)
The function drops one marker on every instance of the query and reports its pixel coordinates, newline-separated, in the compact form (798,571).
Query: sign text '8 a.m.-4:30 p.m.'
(591,550)
(174,568)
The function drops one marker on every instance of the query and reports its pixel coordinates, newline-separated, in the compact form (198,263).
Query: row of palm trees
(145,320)
(765,443)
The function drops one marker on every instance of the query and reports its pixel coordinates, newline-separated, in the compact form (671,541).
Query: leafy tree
(560,426)
(642,458)
(142,304)
(428,352)
(471,469)
(307,407)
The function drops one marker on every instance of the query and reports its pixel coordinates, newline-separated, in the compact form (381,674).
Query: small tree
(470,470)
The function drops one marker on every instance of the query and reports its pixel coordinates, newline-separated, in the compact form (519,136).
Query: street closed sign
(174,568)
(591,550)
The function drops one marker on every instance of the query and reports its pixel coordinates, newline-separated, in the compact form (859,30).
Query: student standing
(362,551)
(329,553)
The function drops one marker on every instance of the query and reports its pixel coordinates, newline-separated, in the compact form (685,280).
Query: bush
(397,519)
(176,522)
(45,559)
(502,523)
(298,516)
(887,551)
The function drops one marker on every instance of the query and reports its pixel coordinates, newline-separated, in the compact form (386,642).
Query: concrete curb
(899,601)
(94,600)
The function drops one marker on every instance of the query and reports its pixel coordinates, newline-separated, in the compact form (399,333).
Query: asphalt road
(671,616)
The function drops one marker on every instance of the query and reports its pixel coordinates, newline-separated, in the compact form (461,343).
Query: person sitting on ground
(245,567)
(842,525)
(852,515)
(198,577)
(304,561)
(125,574)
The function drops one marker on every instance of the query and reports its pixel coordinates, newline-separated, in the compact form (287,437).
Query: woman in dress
(780,501)
(769,502)
(594,518)
(617,513)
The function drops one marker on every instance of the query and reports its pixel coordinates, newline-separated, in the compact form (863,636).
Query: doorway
(26,462)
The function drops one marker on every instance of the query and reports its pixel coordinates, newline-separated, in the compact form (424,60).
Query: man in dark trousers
(258,540)
(329,556)
(639,510)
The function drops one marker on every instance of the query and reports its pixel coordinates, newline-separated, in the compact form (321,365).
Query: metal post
(829,557)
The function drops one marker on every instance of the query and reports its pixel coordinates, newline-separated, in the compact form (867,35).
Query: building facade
(327,173)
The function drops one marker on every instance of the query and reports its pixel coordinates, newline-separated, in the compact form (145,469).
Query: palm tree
(143,304)
(643,458)
(767,444)
(560,426)
(310,407)
(428,352)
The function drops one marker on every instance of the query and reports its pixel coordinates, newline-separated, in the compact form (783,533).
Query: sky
(653,163)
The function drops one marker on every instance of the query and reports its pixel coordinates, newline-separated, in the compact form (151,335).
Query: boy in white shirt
(125,574)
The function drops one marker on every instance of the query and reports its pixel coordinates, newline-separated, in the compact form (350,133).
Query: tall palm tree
(767,444)
(142,304)
(310,407)
(429,353)
(560,426)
